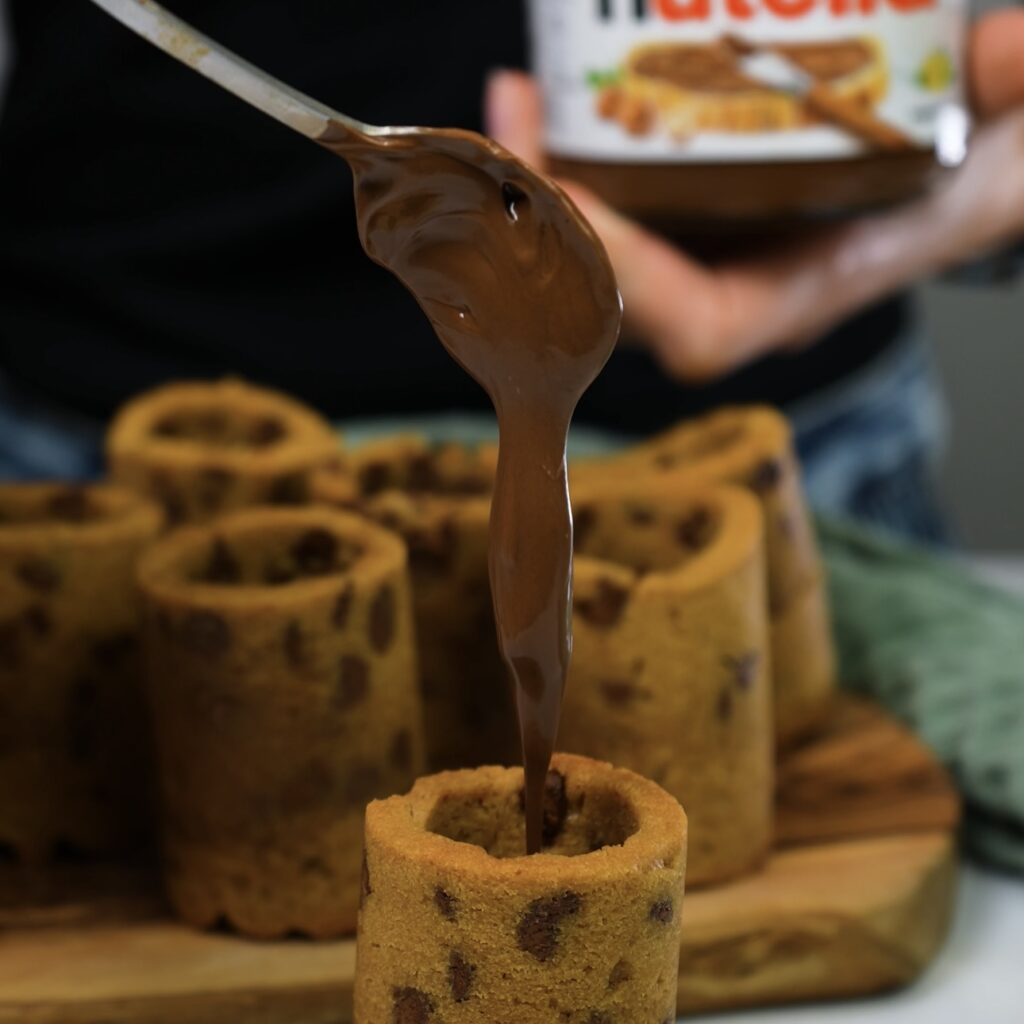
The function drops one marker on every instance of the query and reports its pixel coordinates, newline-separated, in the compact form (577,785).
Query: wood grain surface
(856,899)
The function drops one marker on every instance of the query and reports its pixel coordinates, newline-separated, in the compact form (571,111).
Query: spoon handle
(177,38)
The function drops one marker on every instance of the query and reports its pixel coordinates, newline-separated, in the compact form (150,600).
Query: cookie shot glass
(458,926)
(752,447)
(671,673)
(437,499)
(74,756)
(204,448)
(283,689)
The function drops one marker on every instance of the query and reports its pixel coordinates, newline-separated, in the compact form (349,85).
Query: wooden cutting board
(856,899)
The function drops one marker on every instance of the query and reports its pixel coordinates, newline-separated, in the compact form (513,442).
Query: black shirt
(153,227)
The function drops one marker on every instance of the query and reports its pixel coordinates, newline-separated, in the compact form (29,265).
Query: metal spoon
(283,103)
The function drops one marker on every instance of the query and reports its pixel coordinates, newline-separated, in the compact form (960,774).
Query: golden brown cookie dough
(670,674)
(410,463)
(74,757)
(803,663)
(202,448)
(282,678)
(437,500)
(746,445)
(750,446)
(457,927)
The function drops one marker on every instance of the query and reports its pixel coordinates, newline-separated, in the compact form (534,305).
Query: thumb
(514,115)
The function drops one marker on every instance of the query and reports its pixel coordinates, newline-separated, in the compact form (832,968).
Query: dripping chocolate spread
(521,293)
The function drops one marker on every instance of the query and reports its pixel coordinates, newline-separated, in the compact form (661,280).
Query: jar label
(733,80)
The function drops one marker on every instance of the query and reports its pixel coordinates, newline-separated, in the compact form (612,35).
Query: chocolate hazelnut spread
(521,293)
(663,109)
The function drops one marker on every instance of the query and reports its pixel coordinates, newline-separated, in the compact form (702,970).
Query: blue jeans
(41,443)
(868,445)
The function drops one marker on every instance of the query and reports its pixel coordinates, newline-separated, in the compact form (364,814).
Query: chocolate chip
(461,974)
(411,1006)
(723,706)
(666,460)
(288,489)
(374,477)
(111,652)
(353,683)
(696,529)
(765,476)
(38,619)
(213,485)
(539,929)
(605,607)
(432,551)
(743,668)
(422,473)
(599,1017)
(316,866)
(39,574)
(662,912)
(266,431)
(11,653)
(168,426)
(342,607)
(639,515)
(294,645)
(401,751)
(621,973)
(222,566)
(365,889)
(446,903)
(277,574)
(204,633)
(72,504)
(316,552)
(582,526)
(382,619)
(175,509)
(619,693)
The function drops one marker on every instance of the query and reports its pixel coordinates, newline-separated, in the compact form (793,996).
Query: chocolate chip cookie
(202,448)
(671,673)
(282,677)
(74,755)
(457,926)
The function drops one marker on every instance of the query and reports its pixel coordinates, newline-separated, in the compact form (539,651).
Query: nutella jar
(690,114)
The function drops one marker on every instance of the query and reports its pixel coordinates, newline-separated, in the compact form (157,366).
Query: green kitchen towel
(945,653)
(920,633)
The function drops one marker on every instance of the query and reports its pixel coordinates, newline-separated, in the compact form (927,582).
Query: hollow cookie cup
(203,448)
(437,499)
(457,926)
(752,447)
(671,673)
(74,756)
(282,679)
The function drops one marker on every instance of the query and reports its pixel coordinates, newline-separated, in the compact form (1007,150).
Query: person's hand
(702,322)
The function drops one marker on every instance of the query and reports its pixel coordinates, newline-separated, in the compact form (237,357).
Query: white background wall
(978,335)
